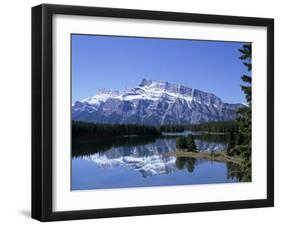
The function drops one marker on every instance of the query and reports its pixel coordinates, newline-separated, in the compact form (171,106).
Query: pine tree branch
(246,78)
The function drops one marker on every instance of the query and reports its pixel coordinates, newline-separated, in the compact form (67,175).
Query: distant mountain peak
(145,82)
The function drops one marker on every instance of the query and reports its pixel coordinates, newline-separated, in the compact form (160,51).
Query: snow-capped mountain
(154,103)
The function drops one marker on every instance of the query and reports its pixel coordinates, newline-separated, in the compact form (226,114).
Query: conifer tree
(245,114)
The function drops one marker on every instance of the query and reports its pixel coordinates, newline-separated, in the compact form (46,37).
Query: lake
(126,162)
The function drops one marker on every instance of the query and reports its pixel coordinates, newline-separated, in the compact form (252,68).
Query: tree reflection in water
(234,171)
(186,162)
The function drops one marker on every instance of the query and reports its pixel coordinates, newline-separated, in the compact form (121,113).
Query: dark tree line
(111,130)
(214,127)
(172,128)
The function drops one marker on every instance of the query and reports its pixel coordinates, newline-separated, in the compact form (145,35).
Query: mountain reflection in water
(148,157)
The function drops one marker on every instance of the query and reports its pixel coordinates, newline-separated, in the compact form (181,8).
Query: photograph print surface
(159,112)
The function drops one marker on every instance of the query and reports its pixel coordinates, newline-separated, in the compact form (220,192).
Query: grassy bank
(215,156)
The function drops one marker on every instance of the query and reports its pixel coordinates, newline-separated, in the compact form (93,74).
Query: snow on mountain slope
(154,103)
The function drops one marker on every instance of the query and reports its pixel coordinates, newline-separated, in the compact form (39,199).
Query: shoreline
(211,133)
(215,156)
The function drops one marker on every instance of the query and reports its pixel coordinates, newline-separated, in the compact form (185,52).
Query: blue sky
(121,62)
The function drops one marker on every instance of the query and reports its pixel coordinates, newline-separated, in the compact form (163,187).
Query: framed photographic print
(145,112)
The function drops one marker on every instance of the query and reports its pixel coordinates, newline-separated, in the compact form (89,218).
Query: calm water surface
(142,161)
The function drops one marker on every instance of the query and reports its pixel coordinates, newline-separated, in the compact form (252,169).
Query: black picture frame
(42,111)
